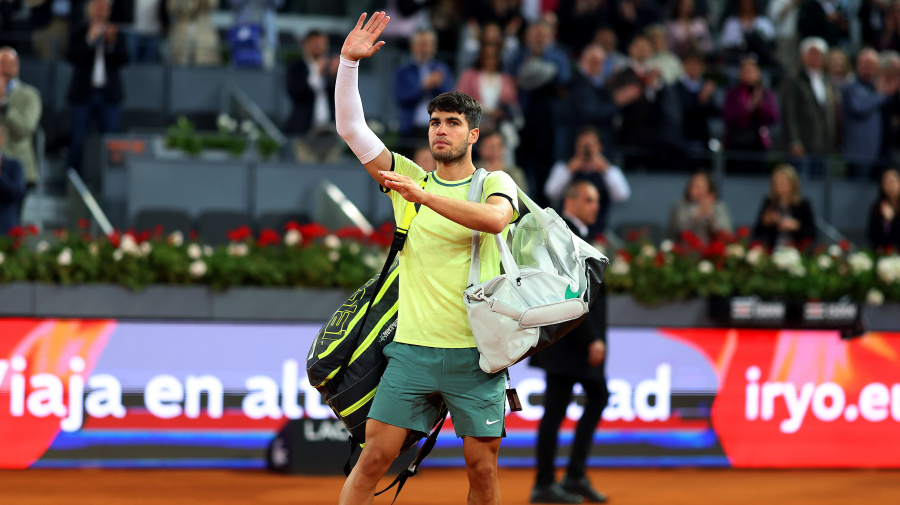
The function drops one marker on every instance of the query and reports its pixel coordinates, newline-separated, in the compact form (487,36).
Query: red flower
(715,249)
(726,237)
(625,255)
(115,238)
(845,244)
(31,229)
(384,235)
(312,231)
(600,238)
(692,240)
(16,232)
(677,249)
(890,251)
(659,260)
(240,234)
(268,237)
(351,232)
(142,237)
(635,235)
(158,230)
(193,235)
(743,231)
(83,223)
(292,225)
(819,249)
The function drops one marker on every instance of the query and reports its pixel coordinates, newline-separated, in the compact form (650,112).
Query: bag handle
(476,191)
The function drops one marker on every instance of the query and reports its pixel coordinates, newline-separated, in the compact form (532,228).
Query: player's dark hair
(454,101)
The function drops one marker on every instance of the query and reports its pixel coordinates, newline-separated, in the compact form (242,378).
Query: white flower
(648,250)
(207,250)
(874,297)
(247,126)
(129,245)
(176,238)
(755,255)
(253,135)
(705,267)
(888,269)
(42,247)
(333,256)
(835,250)
(94,249)
(797,270)
(232,125)
(197,269)
(238,249)
(222,121)
(371,261)
(824,261)
(118,254)
(65,257)
(787,258)
(666,245)
(734,251)
(354,248)
(620,266)
(194,252)
(292,237)
(859,262)
(2,258)
(146,248)
(332,241)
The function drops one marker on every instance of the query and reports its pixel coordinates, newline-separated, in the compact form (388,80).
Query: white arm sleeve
(616,184)
(349,116)
(556,183)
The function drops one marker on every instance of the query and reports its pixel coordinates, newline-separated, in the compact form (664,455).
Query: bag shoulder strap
(476,191)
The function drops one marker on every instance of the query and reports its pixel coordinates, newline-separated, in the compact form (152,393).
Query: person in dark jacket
(12,191)
(310,84)
(579,357)
(96,52)
(884,223)
(698,106)
(785,217)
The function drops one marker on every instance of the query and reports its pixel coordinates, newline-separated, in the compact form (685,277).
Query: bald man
(20,114)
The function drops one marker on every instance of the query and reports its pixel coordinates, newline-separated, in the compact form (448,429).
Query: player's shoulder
(405,166)
(500,178)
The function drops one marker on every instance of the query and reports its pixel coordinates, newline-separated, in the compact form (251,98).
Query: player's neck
(456,171)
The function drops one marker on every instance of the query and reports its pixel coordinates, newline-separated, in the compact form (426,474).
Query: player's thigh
(476,399)
(406,396)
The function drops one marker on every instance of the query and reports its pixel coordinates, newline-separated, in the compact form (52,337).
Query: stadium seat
(213,226)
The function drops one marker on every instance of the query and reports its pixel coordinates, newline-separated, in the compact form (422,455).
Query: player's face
(449,136)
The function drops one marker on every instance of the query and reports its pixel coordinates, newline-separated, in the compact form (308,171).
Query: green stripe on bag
(353,408)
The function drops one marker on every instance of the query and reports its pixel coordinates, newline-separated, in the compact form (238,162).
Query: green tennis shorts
(417,377)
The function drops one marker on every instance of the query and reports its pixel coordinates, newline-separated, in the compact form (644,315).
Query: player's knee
(375,461)
(482,474)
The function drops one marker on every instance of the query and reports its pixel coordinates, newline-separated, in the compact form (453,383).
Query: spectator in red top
(749,111)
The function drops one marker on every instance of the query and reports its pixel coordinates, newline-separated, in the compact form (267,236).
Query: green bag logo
(570,294)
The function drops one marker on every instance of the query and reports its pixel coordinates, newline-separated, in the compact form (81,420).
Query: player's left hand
(408,188)
(596,353)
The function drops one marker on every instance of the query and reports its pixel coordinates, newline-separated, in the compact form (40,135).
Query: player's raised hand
(363,41)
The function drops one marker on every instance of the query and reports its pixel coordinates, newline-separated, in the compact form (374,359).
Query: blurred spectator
(747,31)
(590,101)
(96,52)
(492,150)
(606,38)
(696,96)
(783,14)
(446,19)
(422,156)
(873,16)
(143,24)
(494,89)
(810,110)
(890,37)
(12,191)
(51,22)
(477,36)
(884,223)
(193,37)
(652,122)
(839,71)
(699,210)
(419,80)
(310,84)
(749,111)
(504,13)
(688,31)
(824,19)
(634,16)
(542,71)
(669,65)
(861,114)
(578,19)
(407,17)
(20,114)
(890,111)
(262,14)
(785,217)
(589,163)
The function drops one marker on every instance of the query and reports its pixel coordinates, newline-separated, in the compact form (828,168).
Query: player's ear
(473,135)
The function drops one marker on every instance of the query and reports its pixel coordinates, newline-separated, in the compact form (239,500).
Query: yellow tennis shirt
(434,263)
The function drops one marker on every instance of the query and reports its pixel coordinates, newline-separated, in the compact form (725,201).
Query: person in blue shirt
(12,191)
(418,81)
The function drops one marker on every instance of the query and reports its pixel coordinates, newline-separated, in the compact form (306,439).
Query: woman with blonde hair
(785,217)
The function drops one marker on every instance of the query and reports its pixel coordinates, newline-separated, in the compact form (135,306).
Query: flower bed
(312,256)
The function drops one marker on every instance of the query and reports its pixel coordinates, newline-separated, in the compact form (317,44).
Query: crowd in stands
(566,86)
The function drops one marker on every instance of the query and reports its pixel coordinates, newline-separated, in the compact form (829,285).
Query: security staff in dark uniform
(579,357)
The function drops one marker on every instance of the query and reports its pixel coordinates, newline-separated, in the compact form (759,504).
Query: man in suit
(310,83)
(579,357)
(20,114)
(810,110)
(96,52)
(12,191)
(696,97)
(419,80)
